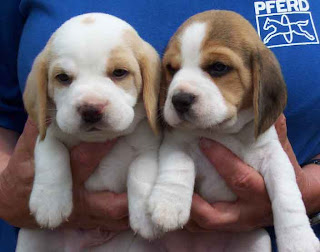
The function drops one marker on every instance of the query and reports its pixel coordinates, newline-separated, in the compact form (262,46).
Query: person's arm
(310,186)
(12,113)
(16,178)
(253,208)
(8,140)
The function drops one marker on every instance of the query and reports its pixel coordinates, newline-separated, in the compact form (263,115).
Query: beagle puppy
(221,82)
(95,80)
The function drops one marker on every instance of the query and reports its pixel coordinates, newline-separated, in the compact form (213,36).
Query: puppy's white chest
(208,182)
(111,174)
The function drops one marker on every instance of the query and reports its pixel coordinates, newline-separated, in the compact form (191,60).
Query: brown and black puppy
(223,83)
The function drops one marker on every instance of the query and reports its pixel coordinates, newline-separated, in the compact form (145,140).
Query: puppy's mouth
(185,121)
(96,127)
(191,120)
(186,117)
(93,129)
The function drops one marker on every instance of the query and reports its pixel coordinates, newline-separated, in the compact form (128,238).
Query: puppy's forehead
(214,29)
(191,42)
(90,34)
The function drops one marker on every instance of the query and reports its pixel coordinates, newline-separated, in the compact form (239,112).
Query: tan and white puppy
(221,82)
(95,80)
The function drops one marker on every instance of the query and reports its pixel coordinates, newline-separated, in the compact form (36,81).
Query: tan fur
(88,20)
(123,58)
(150,67)
(236,84)
(35,96)
(255,81)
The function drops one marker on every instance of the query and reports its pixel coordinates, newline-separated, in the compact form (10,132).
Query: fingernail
(205,143)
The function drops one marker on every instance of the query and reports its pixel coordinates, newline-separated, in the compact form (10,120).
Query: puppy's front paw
(50,207)
(141,223)
(168,213)
(298,240)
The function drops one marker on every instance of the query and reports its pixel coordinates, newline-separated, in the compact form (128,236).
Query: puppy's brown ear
(151,74)
(35,93)
(269,90)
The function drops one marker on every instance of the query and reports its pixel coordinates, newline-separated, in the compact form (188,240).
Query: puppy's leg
(51,196)
(291,222)
(141,178)
(171,197)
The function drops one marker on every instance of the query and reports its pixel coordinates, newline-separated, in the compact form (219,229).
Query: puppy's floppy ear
(35,93)
(150,66)
(269,90)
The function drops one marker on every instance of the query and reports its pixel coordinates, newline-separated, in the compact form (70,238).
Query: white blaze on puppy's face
(191,42)
(208,107)
(88,52)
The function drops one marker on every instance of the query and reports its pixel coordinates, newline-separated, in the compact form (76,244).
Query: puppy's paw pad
(168,216)
(142,225)
(50,211)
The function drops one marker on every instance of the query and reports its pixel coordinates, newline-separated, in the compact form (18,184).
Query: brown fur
(270,94)
(236,83)
(255,81)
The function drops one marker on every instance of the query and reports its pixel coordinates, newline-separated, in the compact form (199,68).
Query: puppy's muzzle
(182,102)
(91,113)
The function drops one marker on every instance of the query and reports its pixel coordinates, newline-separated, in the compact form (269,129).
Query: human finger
(86,157)
(242,179)
(107,204)
(218,216)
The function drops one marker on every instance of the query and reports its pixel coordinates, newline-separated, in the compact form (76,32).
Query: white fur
(210,107)
(82,50)
(191,41)
(208,110)
(182,163)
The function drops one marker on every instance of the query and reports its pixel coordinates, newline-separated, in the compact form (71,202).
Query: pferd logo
(285,23)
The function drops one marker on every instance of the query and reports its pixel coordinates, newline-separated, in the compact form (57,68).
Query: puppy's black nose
(90,113)
(182,102)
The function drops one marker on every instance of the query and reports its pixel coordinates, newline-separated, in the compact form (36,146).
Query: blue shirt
(289,28)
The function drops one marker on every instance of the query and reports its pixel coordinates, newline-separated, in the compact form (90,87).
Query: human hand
(91,209)
(252,209)
(308,178)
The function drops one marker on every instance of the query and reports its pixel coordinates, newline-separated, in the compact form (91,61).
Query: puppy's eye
(119,73)
(64,79)
(217,69)
(172,71)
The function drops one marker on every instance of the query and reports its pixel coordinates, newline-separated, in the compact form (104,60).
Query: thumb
(85,157)
(242,179)
(214,216)
(281,128)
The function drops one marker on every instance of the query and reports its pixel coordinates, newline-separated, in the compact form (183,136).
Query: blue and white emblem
(285,23)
